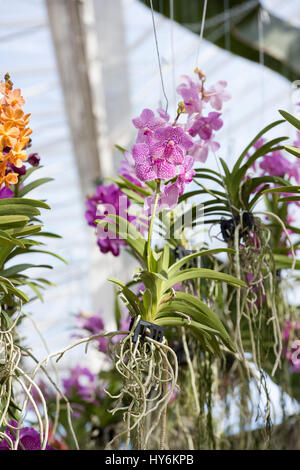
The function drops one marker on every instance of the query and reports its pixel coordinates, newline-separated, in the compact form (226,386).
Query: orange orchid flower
(14,98)
(11,178)
(24,136)
(8,135)
(15,117)
(14,133)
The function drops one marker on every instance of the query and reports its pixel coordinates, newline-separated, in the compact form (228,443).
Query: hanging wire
(158,57)
(197,58)
(260,27)
(201,31)
(173,52)
(227,113)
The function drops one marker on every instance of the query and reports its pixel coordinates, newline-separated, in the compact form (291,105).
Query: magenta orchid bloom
(217,95)
(186,173)
(159,157)
(107,200)
(200,149)
(147,123)
(6,193)
(148,167)
(30,439)
(171,144)
(189,91)
(204,126)
(277,165)
(127,169)
(168,199)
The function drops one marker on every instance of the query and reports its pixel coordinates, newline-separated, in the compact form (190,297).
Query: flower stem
(151,224)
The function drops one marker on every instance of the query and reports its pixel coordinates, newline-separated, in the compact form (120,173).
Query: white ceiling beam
(74,34)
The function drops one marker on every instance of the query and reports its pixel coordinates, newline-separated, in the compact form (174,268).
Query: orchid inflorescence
(164,151)
(14,133)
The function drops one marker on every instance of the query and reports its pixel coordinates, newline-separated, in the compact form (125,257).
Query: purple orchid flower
(171,144)
(204,126)
(107,200)
(189,91)
(147,123)
(186,173)
(6,193)
(200,149)
(34,159)
(217,95)
(82,383)
(29,438)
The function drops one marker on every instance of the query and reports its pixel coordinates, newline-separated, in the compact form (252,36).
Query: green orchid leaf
(25,231)
(289,198)
(260,134)
(147,300)
(126,231)
(290,118)
(293,150)
(175,267)
(283,189)
(285,262)
(9,221)
(34,184)
(251,184)
(23,201)
(199,312)
(260,152)
(122,149)
(117,310)
(9,272)
(203,273)
(18,209)
(29,172)
(133,299)
(133,196)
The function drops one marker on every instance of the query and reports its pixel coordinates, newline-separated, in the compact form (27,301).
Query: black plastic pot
(246,222)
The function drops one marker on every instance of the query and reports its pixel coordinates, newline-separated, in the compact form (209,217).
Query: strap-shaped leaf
(25,231)
(18,268)
(260,134)
(175,311)
(10,221)
(34,184)
(164,260)
(285,262)
(205,337)
(29,172)
(251,184)
(7,240)
(290,118)
(133,196)
(209,177)
(17,292)
(256,197)
(18,209)
(283,189)
(22,201)
(133,299)
(126,231)
(200,312)
(176,266)
(293,150)
(260,152)
(203,273)
(135,187)
(55,255)
(289,198)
